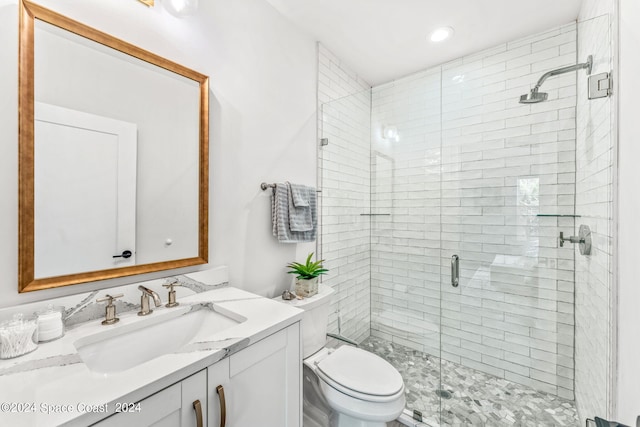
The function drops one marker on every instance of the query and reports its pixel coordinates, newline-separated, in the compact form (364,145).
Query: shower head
(533,97)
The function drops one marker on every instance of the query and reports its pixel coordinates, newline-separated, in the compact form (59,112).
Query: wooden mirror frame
(26,199)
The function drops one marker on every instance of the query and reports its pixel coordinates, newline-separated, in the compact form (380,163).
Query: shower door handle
(455,271)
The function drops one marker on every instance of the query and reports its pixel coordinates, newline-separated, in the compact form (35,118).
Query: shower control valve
(583,239)
(571,239)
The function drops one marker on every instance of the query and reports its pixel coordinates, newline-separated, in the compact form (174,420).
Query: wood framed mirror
(113,156)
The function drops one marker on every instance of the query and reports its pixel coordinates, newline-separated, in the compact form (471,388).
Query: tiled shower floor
(478,399)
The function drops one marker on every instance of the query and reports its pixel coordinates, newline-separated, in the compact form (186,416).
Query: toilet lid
(361,371)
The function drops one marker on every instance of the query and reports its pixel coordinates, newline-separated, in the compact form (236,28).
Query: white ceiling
(385,39)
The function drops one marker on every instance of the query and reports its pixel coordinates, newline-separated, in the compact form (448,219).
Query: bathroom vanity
(224,356)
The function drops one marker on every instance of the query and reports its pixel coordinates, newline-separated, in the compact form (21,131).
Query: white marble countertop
(54,379)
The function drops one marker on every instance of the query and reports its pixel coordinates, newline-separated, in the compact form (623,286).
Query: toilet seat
(360,374)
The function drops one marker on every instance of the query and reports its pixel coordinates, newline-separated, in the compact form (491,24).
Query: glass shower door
(508,188)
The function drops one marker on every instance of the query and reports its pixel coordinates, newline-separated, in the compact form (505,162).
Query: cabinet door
(218,376)
(171,407)
(194,389)
(263,383)
(159,410)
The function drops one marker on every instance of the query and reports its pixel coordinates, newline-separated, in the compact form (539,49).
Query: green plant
(308,270)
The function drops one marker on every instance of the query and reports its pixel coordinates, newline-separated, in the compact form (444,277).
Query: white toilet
(361,389)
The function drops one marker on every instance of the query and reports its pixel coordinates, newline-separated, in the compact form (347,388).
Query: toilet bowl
(360,388)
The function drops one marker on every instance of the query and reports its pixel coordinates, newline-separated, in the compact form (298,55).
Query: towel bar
(264,187)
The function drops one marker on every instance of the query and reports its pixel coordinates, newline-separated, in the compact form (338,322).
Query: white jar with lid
(50,325)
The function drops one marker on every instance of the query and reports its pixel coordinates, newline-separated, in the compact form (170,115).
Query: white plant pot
(306,288)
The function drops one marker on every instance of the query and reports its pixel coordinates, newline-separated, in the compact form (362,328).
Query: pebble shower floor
(478,399)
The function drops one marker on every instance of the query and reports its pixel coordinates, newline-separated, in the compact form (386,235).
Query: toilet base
(343,420)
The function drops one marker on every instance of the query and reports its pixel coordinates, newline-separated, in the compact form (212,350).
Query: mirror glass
(117,177)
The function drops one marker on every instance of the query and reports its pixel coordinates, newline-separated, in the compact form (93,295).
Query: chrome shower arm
(564,70)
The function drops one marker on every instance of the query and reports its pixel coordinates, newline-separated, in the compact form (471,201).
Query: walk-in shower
(534,96)
(471,174)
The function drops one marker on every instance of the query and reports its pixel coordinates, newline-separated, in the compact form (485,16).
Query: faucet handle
(171,284)
(109,298)
(110,309)
(172,293)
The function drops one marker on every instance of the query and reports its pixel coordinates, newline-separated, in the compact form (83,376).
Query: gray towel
(300,195)
(280,217)
(300,218)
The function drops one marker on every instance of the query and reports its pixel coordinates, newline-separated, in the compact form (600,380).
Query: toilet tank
(315,318)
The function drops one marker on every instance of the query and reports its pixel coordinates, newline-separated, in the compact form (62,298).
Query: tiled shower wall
(594,199)
(345,117)
(501,164)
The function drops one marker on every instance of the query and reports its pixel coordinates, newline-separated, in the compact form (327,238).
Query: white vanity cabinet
(261,384)
(175,406)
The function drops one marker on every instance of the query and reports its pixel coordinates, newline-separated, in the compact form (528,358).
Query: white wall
(628,393)
(263,124)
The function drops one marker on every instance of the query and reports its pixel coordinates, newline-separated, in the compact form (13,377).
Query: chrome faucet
(144,300)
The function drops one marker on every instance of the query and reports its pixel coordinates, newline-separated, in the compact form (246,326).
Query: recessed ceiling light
(441,34)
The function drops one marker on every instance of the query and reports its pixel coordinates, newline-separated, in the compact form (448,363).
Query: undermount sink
(127,345)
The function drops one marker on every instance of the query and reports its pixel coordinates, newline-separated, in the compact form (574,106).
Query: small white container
(18,336)
(50,325)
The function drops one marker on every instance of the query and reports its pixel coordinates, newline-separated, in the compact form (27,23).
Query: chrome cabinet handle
(455,271)
(198,408)
(223,406)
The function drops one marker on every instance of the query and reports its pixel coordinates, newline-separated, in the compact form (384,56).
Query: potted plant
(307,276)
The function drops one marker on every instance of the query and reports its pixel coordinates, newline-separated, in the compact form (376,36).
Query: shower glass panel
(594,200)
(380,227)
(345,202)
(405,236)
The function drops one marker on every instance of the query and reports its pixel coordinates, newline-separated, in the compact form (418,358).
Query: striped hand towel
(280,216)
(300,217)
